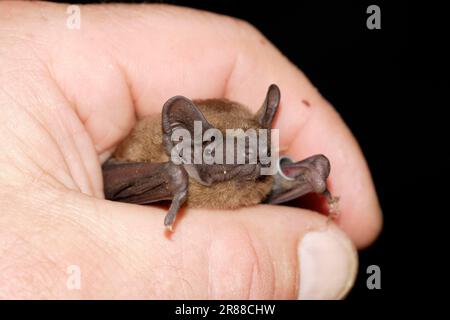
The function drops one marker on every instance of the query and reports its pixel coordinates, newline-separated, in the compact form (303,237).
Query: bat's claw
(169,227)
(333,205)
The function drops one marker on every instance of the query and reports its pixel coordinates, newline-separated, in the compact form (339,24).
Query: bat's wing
(144,183)
(136,182)
(295,179)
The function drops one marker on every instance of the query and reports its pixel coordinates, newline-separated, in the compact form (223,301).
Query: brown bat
(141,170)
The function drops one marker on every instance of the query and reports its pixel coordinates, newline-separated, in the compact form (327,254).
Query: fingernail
(328,264)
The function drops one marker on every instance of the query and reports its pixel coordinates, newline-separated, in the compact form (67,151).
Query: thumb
(123,251)
(262,252)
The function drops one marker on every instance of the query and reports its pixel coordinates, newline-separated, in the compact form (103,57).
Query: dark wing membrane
(136,182)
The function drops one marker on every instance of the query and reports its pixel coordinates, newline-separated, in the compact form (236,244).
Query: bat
(142,169)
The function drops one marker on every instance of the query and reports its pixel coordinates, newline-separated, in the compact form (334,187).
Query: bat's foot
(179,184)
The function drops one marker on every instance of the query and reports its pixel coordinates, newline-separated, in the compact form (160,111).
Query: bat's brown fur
(144,144)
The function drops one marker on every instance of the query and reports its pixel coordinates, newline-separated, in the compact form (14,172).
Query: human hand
(68,97)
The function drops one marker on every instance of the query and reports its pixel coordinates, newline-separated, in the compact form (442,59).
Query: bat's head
(219,140)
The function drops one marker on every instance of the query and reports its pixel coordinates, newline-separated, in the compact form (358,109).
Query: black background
(368,77)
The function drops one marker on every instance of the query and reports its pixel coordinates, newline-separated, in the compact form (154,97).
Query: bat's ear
(267,111)
(180,113)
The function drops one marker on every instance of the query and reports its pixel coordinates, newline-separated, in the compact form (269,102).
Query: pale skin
(68,97)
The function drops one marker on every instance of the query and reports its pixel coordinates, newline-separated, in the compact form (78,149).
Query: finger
(137,68)
(121,251)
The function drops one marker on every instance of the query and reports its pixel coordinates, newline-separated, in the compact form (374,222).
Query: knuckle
(245,27)
(244,30)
